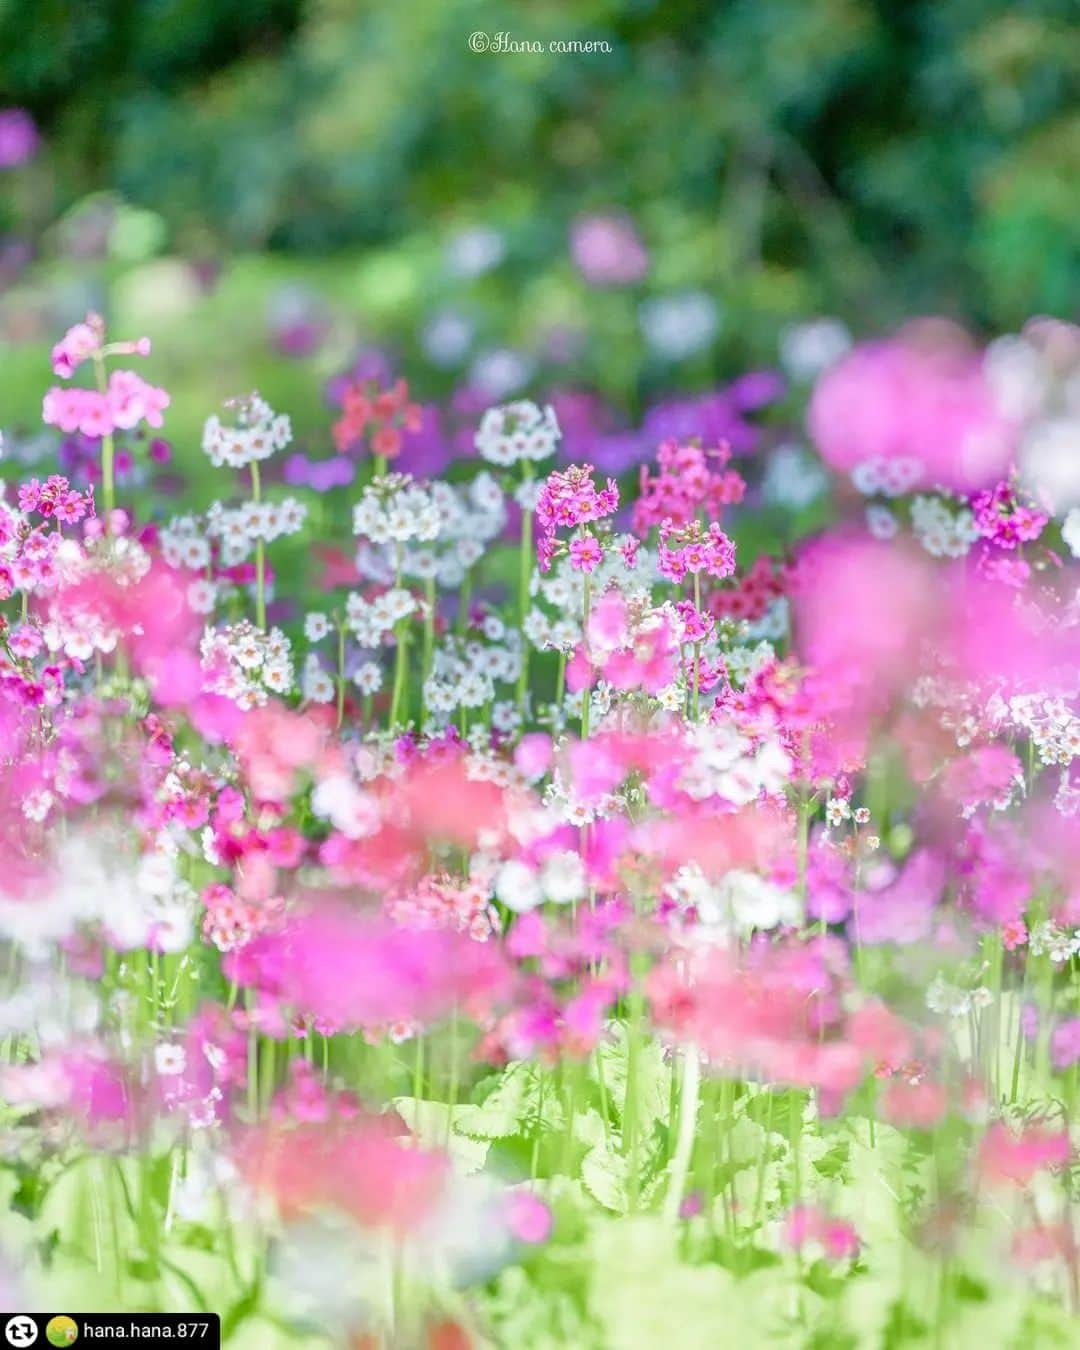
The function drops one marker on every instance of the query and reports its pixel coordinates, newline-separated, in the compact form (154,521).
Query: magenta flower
(586,555)
(19,137)
(925,403)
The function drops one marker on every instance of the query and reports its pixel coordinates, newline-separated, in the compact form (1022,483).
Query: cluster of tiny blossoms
(568,501)
(397,509)
(517,433)
(244,664)
(257,434)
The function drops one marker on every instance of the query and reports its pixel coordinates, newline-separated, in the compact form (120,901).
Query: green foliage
(873,160)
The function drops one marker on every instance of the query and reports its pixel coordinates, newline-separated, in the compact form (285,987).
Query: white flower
(1070,531)
(277,676)
(318,687)
(793,478)
(517,431)
(754,903)
(474,690)
(881,522)
(837,810)
(941,533)
(194,553)
(170,1060)
(258,432)
(517,886)
(248,652)
(316,626)
(866,477)
(808,349)
(202,596)
(678,326)
(348,808)
(670,698)
(562,878)
(369,677)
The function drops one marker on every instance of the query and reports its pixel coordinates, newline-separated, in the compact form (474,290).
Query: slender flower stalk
(260,553)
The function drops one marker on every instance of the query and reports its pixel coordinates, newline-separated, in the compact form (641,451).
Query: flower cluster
(689,482)
(517,433)
(568,500)
(1003,519)
(244,664)
(687,550)
(397,509)
(380,416)
(258,433)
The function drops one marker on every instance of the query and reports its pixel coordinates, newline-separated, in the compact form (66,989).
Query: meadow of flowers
(472,894)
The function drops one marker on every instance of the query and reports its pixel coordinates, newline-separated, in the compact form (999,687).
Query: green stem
(401,664)
(341,675)
(690,1082)
(464,600)
(260,555)
(108,447)
(429,640)
(696,694)
(525,566)
(401,657)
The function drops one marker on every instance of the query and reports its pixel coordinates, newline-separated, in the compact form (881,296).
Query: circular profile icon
(61,1331)
(20,1330)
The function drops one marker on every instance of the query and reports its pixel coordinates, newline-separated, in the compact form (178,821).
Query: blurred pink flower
(608,250)
(921,397)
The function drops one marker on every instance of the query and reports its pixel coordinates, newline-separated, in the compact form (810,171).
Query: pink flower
(921,398)
(528,1218)
(77,345)
(567,500)
(363,1167)
(586,555)
(353,971)
(691,549)
(807,1223)
(131,400)
(608,251)
(692,482)
(1005,520)
(1006,1157)
(533,755)
(1013,934)
(914,1106)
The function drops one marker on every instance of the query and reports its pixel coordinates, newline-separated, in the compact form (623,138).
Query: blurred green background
(265,186)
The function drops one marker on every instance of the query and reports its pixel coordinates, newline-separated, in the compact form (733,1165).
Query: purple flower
(1065,1043)
(19,137)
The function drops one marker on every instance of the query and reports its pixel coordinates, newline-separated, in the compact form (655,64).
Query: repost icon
(20,1330)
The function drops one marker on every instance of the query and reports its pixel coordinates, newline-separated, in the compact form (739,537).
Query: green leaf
(439,1125)
(651,1089)
(606,1175)
(522,1100)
